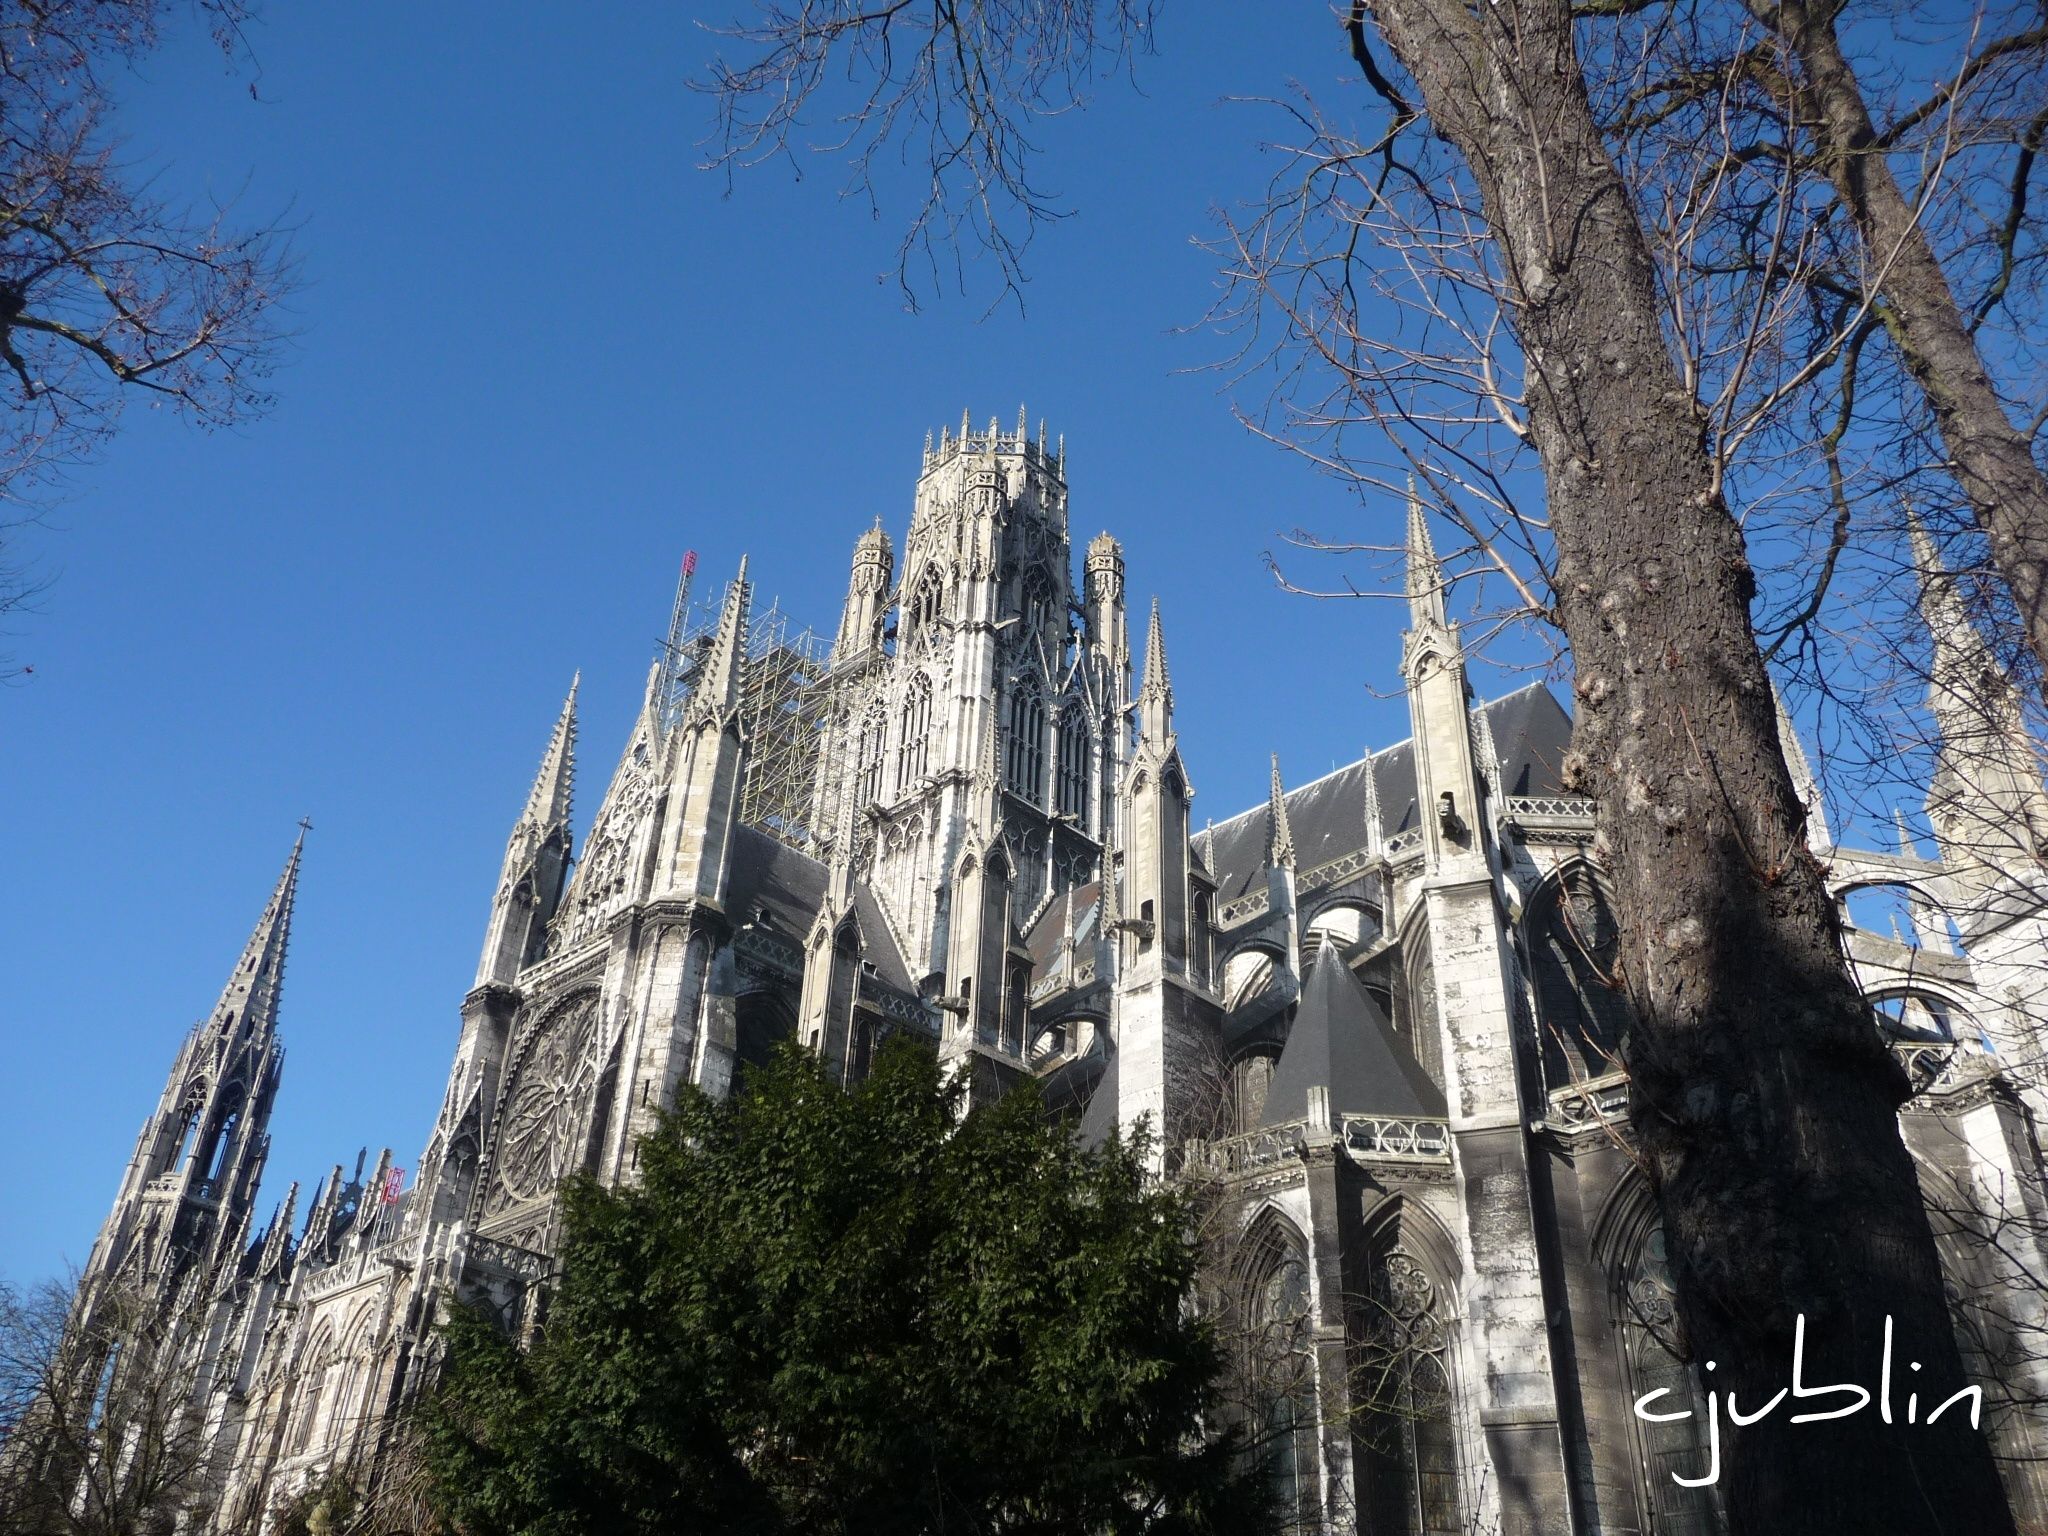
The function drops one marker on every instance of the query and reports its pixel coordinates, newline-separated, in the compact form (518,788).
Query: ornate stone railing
(1931,1066)
(1936,1066)
(1249,1152)
(1375,1138)
(1600,1100)
(1548,807)
(509,1259)
(1382,1137)
(1336,870)
(1249,905)
(1401,844)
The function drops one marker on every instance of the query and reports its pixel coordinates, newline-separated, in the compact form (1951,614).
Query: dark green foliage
(837,1312)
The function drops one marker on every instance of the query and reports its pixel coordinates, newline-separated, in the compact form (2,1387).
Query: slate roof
(1530,730)
(1100,1118)
(1050,931)
(1341,1039)
(789,886)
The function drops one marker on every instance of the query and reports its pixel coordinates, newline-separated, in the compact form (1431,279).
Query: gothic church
(1370,1010)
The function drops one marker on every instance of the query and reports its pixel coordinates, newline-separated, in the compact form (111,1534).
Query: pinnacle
(547,803)
(718,685)
(1926,555)
(1425,572)
(1280,845)
(1156,678)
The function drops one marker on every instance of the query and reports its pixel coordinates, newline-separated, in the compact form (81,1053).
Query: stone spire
(186,1198)
(1155,693)
(1280,834)
(988,783)
(1986,800)
(253,991)
(536,862)
(717,694)
(708,774)
(1804,782)
(1425,571)
(1374,834)
(547,803)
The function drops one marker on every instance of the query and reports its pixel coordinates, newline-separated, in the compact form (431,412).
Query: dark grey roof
(1531,731)
(1050,931)
(771,876)
(881,943)
(1100,1118)
(1068,1086)
(1341,1040)
(788,886)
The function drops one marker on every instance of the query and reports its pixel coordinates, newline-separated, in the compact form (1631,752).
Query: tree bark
(1763,1098)
(1990,457)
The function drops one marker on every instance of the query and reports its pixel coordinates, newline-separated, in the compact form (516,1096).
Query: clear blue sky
(539,354)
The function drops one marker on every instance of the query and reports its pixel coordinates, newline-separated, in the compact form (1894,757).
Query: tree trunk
(1763,1098)
(1990,457)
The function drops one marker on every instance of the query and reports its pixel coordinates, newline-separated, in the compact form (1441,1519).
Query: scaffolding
(784,708)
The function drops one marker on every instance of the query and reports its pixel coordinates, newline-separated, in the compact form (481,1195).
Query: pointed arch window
(1280,1373)
(1016,1009)
(867,784)
(221,1149)
(1025,773)
(1655,1355)
(1039,603)
(913,744)
(1408,1427)
(1076,746)
(928,603)
(1576,946)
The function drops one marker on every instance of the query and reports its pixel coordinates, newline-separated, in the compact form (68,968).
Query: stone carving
(545,1104)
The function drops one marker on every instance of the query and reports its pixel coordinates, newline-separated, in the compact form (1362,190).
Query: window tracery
(1075,748)
(1026,768)
(913,741)
(544,1104)
(867,784)
(1280,1372)
(1575,946)
(1656,1355)
(927,605)
(1412,1484)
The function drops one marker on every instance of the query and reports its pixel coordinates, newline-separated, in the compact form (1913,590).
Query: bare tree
(108,288)
(1992,460)
(102,1437)
(1763,1099)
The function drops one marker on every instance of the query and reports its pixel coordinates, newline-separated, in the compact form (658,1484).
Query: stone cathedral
(1371,1011)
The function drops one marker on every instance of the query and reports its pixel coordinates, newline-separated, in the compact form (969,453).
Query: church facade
(1369,1015)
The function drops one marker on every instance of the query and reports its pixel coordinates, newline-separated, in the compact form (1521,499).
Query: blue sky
(538,354)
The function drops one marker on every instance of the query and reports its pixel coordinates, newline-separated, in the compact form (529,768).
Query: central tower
(978,717)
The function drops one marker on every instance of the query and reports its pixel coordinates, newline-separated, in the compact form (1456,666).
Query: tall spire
(1959,650)
(1155,693)
(1986,800)
(1280,839)
(1804,783)
(1908,844)
(1425,571)
(253,991)
(547,803)
(718,684)
(668,665)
